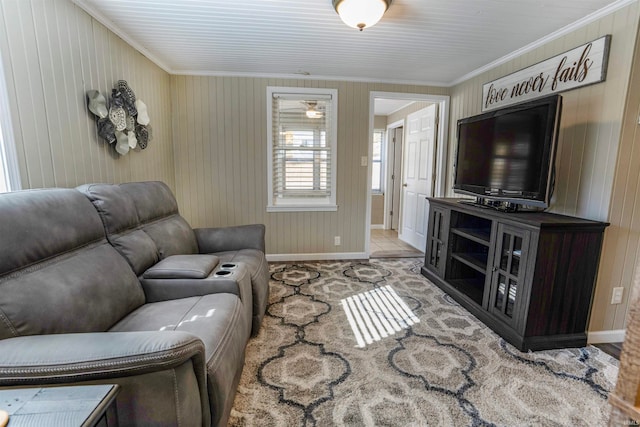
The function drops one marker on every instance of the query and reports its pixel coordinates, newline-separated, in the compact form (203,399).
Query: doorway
(385,244)
(395,133)
(395,171)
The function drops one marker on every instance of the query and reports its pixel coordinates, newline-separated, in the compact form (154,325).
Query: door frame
(388,206)
(441,148)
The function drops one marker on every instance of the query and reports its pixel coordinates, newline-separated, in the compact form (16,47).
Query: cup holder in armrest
(228,266)
(222,273)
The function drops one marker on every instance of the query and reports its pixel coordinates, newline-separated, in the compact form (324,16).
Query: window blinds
(302,147)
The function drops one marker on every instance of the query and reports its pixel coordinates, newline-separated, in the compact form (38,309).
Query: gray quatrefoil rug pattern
(374,343)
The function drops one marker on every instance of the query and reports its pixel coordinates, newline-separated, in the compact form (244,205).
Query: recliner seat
(142,221)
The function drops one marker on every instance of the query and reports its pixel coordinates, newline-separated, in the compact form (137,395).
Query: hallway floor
(385,244)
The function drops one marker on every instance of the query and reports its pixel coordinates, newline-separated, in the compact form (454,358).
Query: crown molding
(296,76)
(99,16)
(607,10)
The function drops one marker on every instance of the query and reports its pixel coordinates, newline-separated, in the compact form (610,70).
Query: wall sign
(584,65)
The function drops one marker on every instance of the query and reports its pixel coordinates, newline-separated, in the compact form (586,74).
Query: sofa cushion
(88,290)
(38,224)
(172,236)
(158,214)
(137,248)
(218,321)
(229,278)
(59,274)
(153,199)
(183,267)
(115,207)
(121,224)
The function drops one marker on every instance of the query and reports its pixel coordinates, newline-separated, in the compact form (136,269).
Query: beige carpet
(437,364)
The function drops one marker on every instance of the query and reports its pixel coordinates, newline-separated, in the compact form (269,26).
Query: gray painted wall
(220,136)
(52,53)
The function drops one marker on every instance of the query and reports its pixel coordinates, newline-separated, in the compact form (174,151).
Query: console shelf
(481,236)
(476,261)
(529,276)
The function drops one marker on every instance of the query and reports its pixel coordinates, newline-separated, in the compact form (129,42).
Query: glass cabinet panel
(502,290)
(511,297)
(508,274)
(436,241)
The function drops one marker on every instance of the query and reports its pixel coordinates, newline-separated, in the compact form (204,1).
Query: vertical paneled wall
(52,53)
(586,161)
(220,142)
(621,251)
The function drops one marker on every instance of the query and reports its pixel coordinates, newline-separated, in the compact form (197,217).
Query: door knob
(405,185)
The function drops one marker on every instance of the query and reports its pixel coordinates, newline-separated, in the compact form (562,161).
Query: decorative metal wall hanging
(124,121)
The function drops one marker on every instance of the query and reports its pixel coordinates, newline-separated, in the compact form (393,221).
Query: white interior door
(418,175)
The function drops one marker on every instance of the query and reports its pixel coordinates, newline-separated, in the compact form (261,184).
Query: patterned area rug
(376,344)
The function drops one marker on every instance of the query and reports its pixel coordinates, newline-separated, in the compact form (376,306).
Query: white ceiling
(417,41)
(384,106)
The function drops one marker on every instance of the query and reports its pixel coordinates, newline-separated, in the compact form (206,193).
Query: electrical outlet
(616,295)
(336,240)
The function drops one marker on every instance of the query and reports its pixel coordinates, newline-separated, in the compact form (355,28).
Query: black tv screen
(508,154)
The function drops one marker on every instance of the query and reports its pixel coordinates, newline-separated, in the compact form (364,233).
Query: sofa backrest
(58,274)
(159,217)
(121,224)
(142,221)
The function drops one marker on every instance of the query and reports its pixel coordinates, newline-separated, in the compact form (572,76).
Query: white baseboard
(316,257)
(377,226)
(601,337)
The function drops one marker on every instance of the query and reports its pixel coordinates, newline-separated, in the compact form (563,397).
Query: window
(4,179)
(9,177)
(302,149)
(376,161)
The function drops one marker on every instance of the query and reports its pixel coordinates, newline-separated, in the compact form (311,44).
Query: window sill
(303,208)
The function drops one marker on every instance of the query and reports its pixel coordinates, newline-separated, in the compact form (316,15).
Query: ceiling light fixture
(312,113)
(361,14)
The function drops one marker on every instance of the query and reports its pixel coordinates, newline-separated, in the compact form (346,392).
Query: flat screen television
(508,155)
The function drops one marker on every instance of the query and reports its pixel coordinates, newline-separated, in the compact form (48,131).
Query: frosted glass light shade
(313,114)
(361,14)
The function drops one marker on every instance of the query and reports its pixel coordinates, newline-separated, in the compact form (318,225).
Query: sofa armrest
(222,239)
(183,267)
(57,358)
(107,357)
(169,289)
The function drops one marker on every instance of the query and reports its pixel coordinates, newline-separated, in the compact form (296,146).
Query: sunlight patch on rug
(377,314)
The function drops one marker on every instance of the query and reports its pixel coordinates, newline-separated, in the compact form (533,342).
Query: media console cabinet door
(436,250)
(508,271)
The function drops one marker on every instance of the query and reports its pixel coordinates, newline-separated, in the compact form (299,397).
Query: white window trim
(8,154)
(383,162)
(306,205)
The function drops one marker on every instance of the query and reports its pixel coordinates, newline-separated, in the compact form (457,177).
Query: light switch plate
(363,161)
(616,295)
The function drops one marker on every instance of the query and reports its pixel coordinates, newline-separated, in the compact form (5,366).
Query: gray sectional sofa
(108,284)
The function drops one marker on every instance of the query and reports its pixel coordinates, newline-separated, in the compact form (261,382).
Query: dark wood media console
(529,276)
